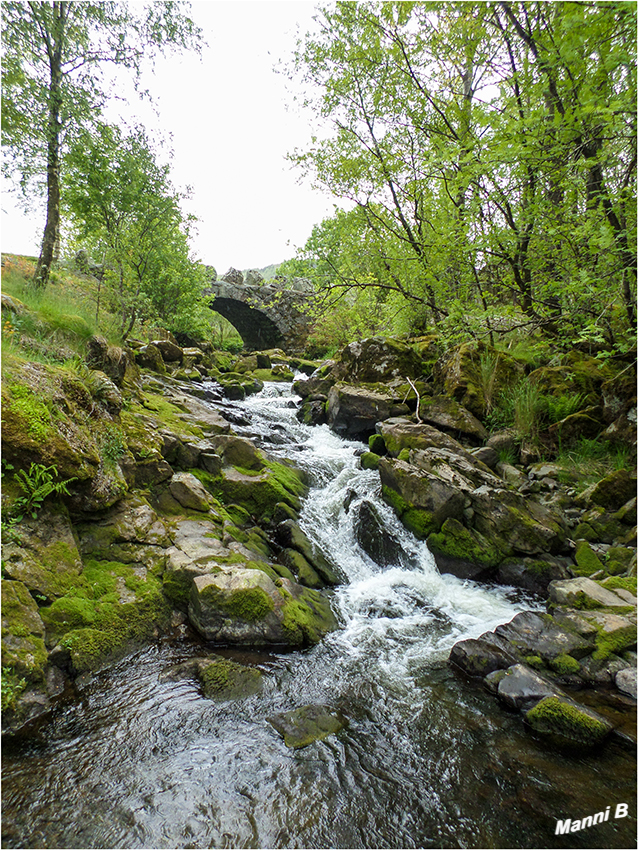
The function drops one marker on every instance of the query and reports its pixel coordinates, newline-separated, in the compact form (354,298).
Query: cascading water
(426,760)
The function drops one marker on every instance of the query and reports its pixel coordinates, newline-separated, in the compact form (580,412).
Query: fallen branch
(418,402)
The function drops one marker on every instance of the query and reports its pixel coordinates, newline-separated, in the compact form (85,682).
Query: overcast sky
(232,121)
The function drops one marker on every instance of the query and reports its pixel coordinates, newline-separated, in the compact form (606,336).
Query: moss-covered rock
(112,608)
(245,606)
(565,722)
(258,492)
(455,543)
(369,460)
(44,553)
(378,359)
(23,648)
(354,410)
(611,492)
(586,559)
(303,726)
(223,679)
(473,374)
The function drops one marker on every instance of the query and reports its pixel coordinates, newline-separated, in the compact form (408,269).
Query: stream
(426,760)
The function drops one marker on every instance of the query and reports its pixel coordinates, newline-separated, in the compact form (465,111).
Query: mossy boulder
(473,374)
(448,415)
(23,648)
(43,554)
(248,607)
(567,723)
(369,460)
(421,500)
(258,492)
(462,551)
(611,492)
(583,593)
(586,559)
(222,679)
(577,375)
(378,359)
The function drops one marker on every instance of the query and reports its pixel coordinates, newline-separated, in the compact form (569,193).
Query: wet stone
(307,724)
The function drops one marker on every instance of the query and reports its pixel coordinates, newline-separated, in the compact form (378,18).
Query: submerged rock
(304,726)
(220,678)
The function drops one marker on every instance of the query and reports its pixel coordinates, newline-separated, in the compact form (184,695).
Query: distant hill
(268,272)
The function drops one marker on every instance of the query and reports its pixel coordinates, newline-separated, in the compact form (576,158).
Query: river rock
(378,543)
(567,723)
(448,415)
(220,678)
(189,491)
(582,592)
(533,574)
(377,359)
(521,688)
(626,681)
(305,725)
(355,410)
(481,656)
(245,606)
(289,534)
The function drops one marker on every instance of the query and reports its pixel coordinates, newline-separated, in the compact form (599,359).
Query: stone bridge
(265,316)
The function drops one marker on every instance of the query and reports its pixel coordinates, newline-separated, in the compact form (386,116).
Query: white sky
(231,121)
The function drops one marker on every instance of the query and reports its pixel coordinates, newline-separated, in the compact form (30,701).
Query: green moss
(566,723)
(421,523)
(36,414)
(92,621)
(225,679)
(608,644)
(457,541)
(376,444)
(586,559)
(534,661)
(177,588)
(622,582)
(249,603)
(404,455)
(369,460)
(564,665)
(308,619)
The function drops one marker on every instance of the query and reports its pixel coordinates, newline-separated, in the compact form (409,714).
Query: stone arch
(258,331)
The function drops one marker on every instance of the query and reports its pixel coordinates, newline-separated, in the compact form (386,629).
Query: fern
(36,485)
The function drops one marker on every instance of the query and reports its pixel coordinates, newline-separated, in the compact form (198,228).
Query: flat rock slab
(307,724)
(582,592)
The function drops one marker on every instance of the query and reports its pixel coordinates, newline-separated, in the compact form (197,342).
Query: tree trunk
(51,238)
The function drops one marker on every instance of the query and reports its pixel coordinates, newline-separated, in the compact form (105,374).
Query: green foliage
(11,686)
(36,485)
(122,202)
(488,157)
(54,88)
